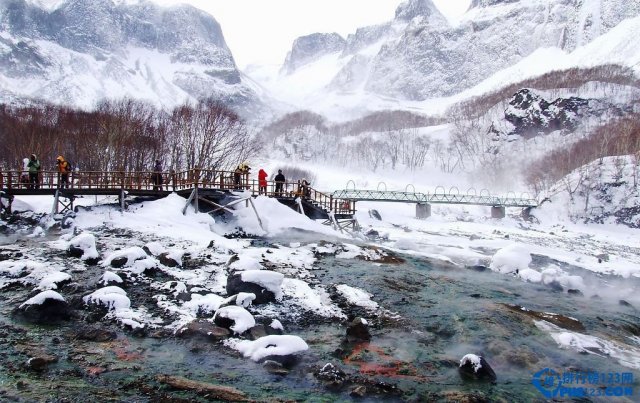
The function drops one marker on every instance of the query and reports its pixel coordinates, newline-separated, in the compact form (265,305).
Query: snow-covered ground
(595,260)
(461,235)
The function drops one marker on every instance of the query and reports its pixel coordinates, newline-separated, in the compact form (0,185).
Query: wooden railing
(171,181)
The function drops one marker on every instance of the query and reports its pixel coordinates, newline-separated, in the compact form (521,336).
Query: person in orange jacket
(64,168)
(262,182)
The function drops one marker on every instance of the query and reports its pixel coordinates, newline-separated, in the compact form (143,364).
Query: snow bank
(356,296)
(315,300)
(277,219)
(163,218)
(271,346)
(625,355)
(245,263)
(530,275)
(203,303)
(18,269)
(510,259)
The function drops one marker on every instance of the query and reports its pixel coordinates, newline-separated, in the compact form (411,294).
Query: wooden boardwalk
(210,186)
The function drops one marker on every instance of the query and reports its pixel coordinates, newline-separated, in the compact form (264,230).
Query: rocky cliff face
(83,51)
(309,48)
(530,114)
(420,56)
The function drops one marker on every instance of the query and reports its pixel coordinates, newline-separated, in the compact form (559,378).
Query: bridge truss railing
(208,179)
(441,196)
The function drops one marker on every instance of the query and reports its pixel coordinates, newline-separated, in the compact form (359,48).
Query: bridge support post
(423,211)
(498,212)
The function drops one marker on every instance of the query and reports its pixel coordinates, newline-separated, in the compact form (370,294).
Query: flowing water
(444,312)
(451,312)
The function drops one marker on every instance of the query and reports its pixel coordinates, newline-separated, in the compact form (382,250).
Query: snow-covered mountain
(419,56)
(78,52)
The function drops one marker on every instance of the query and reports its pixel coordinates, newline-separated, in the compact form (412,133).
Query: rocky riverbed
(96,310)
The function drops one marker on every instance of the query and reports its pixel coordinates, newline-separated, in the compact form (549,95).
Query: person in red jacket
(262,182)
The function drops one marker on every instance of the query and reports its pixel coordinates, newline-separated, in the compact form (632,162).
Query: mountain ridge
(80,52)
(420,59)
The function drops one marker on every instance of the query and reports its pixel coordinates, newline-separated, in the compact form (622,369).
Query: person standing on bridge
(262,182)
(280,180)
(305,189)
(63,169)
(237,177)
(156,176)
(33,167)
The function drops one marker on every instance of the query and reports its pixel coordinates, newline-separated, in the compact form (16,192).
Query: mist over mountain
(419,55)
(79,52)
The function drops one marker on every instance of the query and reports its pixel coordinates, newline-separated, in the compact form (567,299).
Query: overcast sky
(262,31)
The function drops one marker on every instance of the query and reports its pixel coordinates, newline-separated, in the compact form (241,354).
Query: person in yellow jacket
(64,168)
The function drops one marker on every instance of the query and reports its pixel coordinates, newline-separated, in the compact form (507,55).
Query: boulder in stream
(48,307)
(358,330)
(475,367)
(264,284)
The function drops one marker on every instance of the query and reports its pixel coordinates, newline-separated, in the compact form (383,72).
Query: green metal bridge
(435,198)
(440,196)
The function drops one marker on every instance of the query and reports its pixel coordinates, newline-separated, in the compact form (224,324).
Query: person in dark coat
(280,180)
(305,189)
(262,182)
(237,177)
(156,176)
(34,169)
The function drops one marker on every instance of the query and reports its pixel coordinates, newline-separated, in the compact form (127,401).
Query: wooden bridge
(208,190)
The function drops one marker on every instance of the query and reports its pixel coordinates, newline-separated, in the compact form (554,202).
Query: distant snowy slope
(418,57)
(613,47)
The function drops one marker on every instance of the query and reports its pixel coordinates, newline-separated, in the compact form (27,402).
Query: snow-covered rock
(283,349)
(234,318)
(53,280)
(357,296)
(265,285)
(84,245)
(133,258)
(110,278)
(47,307)
(203,304)
(511,259)
(111,298)
(477,368)
(358,330)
